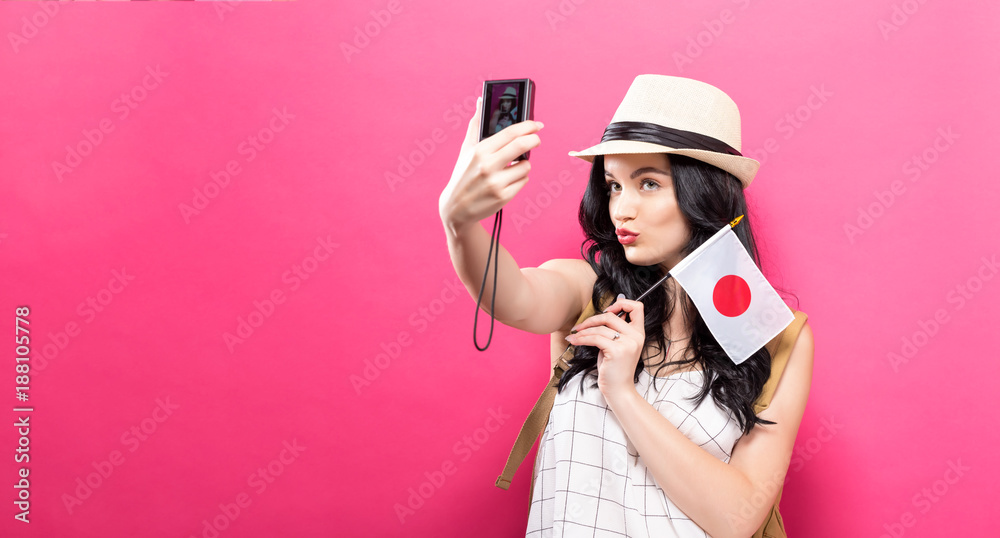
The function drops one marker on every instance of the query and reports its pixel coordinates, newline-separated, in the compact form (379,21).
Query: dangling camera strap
(494,236)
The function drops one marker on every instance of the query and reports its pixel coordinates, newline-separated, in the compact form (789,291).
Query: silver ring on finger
(616,336)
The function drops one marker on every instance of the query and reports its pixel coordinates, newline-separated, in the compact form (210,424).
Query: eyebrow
(639,172)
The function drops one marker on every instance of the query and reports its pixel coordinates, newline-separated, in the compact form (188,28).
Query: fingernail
(568,339)
(620,297)
(540,124)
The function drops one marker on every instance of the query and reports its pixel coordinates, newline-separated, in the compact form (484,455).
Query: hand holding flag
(738,304)
(619,343)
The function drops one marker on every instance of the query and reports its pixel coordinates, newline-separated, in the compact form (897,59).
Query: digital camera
(506,102)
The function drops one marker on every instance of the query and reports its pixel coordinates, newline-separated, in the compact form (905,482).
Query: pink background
(875,446)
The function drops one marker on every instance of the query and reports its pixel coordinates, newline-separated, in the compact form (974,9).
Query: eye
(609,186)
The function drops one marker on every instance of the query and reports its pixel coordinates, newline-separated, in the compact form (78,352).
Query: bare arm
(540,299)
(469,246)
(724,499)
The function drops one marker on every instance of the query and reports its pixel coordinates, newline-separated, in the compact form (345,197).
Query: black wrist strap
(494,235)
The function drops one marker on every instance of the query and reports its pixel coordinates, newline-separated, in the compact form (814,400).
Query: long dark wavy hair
(709,198)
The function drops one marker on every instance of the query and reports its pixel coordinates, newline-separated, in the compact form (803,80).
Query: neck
(678,326)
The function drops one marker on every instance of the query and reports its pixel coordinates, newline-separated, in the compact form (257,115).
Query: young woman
(506,113)
(653,431)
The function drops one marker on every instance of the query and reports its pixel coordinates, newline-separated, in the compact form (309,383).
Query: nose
(624,207)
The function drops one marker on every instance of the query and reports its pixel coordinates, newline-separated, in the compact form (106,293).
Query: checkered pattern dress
(589,481)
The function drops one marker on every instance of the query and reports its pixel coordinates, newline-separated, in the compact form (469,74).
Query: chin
(641,260)
(635,258)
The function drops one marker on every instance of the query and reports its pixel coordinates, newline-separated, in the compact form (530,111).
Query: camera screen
(504,104)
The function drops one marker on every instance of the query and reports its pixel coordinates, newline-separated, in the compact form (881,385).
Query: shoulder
(789,400)
(575,266)
(802,350)
(799,347)
(578,273)
(579,270)
(788,403)
(804,345)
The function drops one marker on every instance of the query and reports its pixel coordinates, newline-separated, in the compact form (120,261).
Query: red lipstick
(626,236)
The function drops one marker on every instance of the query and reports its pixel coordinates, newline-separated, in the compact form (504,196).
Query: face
(642,200)
(506,104)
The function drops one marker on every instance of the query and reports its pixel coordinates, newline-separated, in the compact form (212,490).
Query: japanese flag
(737,303)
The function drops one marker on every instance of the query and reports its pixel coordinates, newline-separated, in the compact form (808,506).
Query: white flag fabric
(737,303)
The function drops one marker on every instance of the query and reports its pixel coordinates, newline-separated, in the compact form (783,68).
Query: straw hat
(664,114)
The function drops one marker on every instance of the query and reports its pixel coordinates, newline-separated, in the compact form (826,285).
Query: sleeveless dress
(589,480)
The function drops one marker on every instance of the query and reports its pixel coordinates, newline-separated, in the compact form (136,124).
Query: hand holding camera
(484,179)
(500,132)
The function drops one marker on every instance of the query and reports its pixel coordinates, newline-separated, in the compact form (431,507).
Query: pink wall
(244,165)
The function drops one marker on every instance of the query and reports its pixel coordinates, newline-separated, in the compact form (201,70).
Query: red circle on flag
(731,296)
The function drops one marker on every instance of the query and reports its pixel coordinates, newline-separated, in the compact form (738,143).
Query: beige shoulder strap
(781,348)
(539,415)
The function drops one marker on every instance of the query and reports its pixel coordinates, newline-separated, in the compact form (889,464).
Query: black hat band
(640,131)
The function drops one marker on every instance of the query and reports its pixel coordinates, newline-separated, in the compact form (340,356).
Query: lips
(626,237)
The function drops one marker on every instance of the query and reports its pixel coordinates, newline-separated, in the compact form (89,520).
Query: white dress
(588,480)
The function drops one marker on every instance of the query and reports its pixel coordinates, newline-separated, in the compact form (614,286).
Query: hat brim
(744,168)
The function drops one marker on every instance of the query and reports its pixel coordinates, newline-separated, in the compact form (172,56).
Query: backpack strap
(539,416)
(781,348)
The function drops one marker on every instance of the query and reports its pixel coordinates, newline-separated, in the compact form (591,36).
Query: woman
(506,112)
(653,431)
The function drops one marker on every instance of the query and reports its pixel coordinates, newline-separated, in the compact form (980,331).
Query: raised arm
(539,300)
